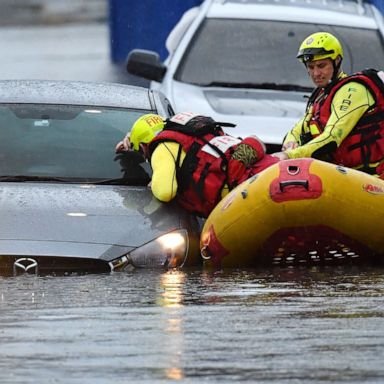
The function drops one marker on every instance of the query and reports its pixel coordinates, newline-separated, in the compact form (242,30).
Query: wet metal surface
(61,52)
(281,326)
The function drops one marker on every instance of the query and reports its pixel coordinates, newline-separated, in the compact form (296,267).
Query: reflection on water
(280,326)
(172,284)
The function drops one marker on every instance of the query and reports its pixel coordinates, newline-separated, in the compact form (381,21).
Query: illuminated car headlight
(167,251)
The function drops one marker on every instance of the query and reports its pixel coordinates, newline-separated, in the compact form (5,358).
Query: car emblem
(25,264)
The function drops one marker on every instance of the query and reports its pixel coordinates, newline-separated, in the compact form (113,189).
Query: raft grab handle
(303,183)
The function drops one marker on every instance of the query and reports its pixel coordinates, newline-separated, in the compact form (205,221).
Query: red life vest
(197,192)
(365,143)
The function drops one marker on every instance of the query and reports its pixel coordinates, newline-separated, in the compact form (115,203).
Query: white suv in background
(235,60)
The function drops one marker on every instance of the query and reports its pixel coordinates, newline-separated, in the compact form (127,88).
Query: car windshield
(263,53)
(68,143)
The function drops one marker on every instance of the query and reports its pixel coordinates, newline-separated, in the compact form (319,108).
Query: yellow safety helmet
(319,46)
(145,129)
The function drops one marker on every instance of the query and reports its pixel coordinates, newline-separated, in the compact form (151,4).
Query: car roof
(352,13)
(75,93)
(354,5)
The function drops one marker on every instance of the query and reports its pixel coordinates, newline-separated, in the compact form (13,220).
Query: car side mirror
(146,64)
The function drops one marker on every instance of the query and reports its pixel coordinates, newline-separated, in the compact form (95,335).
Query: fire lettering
(153,120)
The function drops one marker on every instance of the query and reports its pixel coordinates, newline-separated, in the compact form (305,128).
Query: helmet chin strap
(336,69)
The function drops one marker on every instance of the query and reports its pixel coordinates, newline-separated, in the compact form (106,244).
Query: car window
(254,51)
(68,142)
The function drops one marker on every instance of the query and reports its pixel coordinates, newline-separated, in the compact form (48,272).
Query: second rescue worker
(343,122)
(193,160)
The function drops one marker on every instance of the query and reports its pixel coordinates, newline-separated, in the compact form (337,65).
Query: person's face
(320,71)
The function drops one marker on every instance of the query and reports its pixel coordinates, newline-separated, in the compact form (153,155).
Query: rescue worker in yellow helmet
(343,121)
(144,129)
(193,160)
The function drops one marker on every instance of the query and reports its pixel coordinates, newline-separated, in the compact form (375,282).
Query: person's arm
(163,161)
(350,102)
(292,139)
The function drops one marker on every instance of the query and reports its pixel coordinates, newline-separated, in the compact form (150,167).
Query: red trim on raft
(214,247)
(295,182)
(313,245)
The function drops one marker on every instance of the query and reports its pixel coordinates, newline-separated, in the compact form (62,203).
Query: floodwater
(256,326)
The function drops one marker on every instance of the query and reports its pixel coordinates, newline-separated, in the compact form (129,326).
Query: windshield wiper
(75,180)
(123,181)
(275,86)
(24,178)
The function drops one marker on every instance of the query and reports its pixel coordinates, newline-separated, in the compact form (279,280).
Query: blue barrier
(379,4)
(143,24)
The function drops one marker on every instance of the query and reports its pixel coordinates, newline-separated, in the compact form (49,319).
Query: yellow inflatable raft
(298,212)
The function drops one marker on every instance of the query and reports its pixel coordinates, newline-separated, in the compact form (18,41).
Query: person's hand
(290,145)
(123,145)
(280,155)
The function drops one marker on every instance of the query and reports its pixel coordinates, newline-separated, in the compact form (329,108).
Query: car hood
(269,114)
(80,220)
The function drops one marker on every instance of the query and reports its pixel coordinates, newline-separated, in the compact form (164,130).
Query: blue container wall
(143,24)
(379,4)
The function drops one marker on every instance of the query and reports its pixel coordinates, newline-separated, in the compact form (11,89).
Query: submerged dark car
(68,202)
